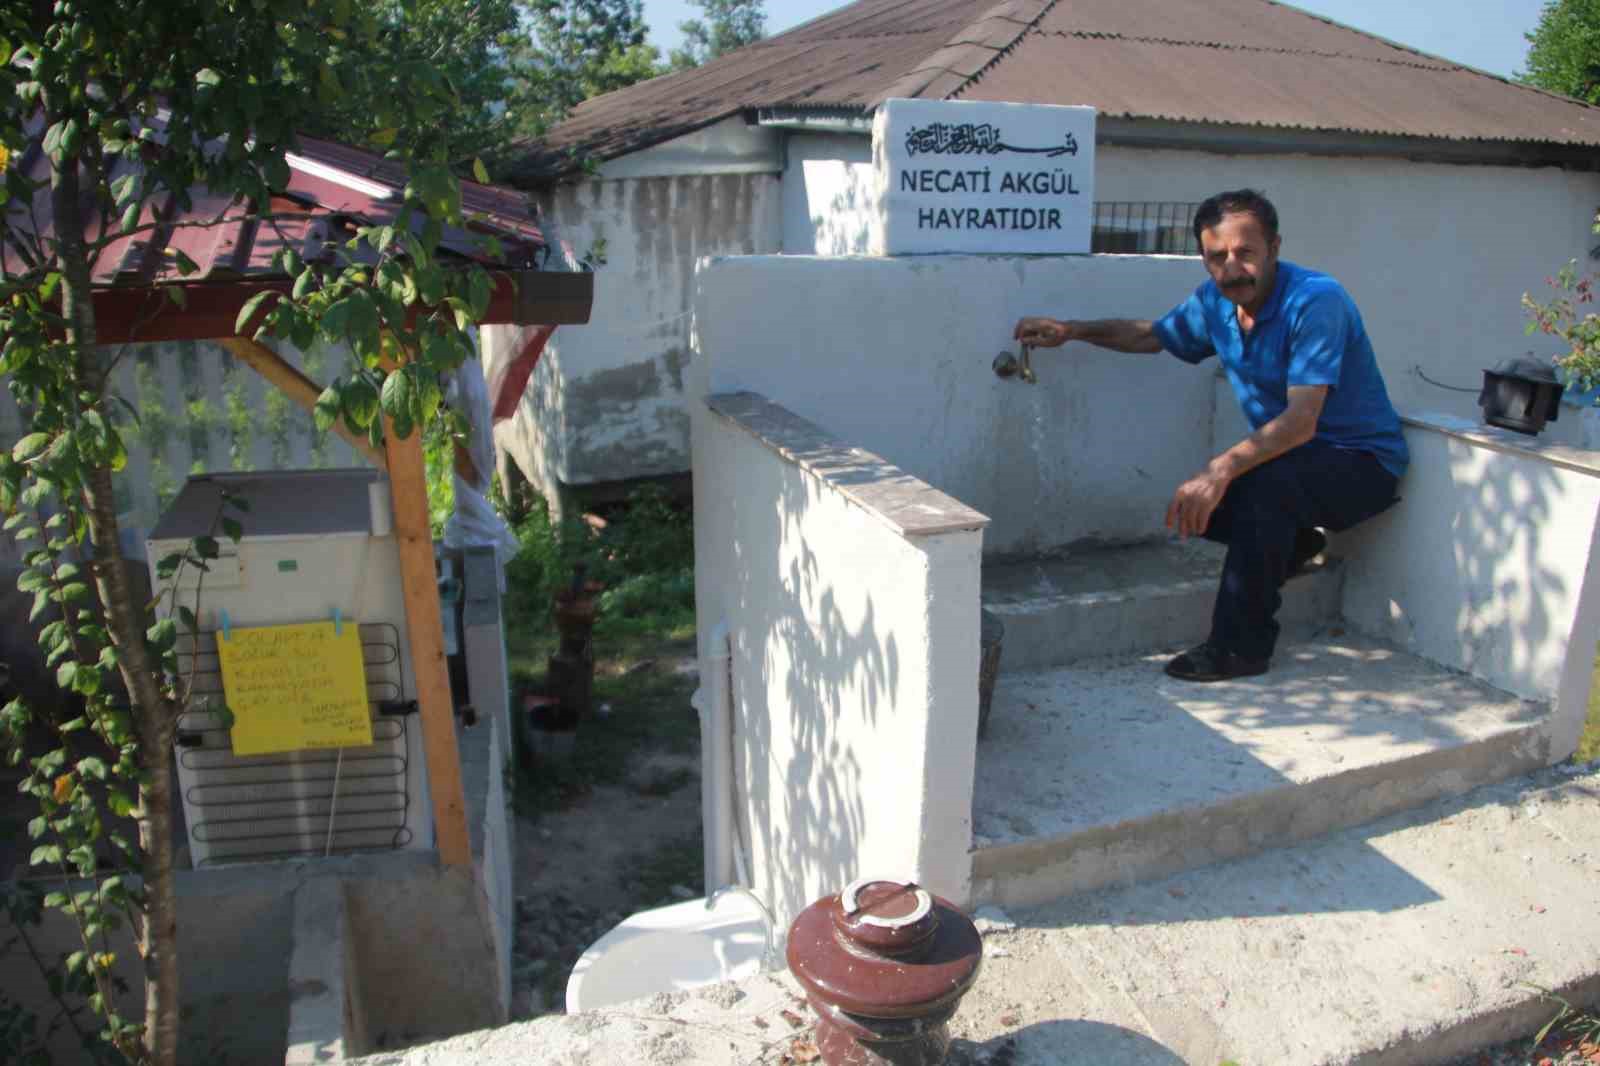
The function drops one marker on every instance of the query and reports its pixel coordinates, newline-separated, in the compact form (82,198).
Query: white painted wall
(894,355)
(606,401)
(1488,564)
(831,199)
(1436,255)
(854,673)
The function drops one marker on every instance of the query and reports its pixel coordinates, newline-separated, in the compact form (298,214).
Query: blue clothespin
(227,626)
(338,623)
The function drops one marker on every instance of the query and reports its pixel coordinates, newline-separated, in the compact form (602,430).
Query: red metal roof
(1233,62)
(332,190)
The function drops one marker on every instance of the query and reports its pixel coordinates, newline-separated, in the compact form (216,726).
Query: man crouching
(1326,450)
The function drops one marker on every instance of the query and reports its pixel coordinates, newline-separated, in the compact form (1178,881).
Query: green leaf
(66,672)
(52,282)
(45,855)
(168,565)
(248,311)
(130,217)
(479,171)
(360,401)
(385,137)
(32,580)
(163,635)
(93,766)
(29,446)
(326,411)
(232,528)
(209,77)
(37,827)
(75,592)
(206,547)
(120,804)
(186,266)
(398,394)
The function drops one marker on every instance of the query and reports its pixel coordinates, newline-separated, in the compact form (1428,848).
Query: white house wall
(1437,256)
(830,196)
(894,355)
(606,400)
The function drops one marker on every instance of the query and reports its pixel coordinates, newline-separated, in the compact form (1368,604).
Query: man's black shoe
(1308,544)
(1207,663)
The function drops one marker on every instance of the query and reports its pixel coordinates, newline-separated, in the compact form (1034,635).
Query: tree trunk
(155,717)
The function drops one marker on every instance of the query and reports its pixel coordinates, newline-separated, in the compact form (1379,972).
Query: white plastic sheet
(475,522)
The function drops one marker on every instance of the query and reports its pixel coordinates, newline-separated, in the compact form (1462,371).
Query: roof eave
(1230,139)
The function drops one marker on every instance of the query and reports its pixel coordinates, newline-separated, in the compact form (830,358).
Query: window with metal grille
(1149,227)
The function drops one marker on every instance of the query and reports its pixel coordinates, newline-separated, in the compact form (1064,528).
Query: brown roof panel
(1233,24)
(1139,79)
(1246,62)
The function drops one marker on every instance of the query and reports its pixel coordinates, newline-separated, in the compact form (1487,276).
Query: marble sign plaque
(960,176)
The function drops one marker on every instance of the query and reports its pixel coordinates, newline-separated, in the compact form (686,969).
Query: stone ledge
(909,506)
(1581,460)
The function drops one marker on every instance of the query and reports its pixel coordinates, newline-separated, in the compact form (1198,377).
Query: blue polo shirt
(1308,333)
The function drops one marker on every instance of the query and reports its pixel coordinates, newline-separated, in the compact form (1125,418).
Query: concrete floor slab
(1405,942)
(1108,771)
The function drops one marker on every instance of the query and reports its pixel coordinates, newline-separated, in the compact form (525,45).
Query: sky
(1487,34)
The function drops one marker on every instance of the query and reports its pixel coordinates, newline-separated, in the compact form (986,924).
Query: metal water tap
(1006,365)
(769,954)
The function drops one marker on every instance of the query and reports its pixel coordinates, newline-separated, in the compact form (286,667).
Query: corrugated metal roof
(1235,62)
(332,190)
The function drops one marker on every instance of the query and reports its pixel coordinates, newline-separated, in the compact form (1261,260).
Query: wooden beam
(419,585)
(295,385)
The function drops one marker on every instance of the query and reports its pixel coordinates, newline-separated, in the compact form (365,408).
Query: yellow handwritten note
(295,687)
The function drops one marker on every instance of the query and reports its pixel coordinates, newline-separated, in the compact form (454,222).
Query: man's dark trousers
(1315,484)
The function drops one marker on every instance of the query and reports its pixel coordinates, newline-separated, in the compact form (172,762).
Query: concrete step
(1108,772)
(1112,601)
(1410,941)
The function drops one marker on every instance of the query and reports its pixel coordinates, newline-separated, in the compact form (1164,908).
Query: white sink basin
(669,949)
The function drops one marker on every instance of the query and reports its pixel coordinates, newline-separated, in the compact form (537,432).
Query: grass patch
(644,556)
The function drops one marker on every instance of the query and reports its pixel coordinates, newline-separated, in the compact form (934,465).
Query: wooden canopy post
(419,584)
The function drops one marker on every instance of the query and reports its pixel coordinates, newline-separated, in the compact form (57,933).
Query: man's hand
(1042,332)
(1189,513)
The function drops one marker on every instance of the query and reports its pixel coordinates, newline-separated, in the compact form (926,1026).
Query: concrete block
(318,1004)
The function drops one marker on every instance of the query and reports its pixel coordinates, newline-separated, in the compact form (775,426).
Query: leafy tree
(729,24)
(470,45)
(584,48)
(1564,50)
(130,103)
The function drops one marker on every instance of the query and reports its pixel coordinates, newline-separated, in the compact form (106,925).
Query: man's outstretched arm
(1190,510)
(1117,334)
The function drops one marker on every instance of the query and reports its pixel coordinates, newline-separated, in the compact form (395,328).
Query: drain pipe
(714,702)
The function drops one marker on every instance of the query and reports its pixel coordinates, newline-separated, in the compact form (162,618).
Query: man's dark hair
(1237,202)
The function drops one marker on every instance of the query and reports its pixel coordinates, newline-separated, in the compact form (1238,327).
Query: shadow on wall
(826,653)
(846,226)
(1472,567)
